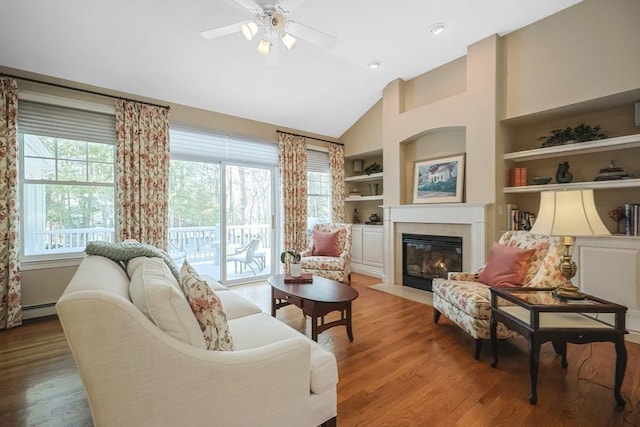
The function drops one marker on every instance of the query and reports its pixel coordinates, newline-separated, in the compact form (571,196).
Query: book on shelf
(520,219)
(518,177)
(304,278)
(631,219)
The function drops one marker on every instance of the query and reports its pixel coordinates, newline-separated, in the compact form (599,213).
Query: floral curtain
(336,167)
(293,177)
(142,133)
(10,294)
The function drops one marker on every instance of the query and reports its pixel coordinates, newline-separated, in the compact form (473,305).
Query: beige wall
(584,52)
(365,136)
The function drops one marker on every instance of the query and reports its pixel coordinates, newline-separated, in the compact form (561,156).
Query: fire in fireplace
(425,257)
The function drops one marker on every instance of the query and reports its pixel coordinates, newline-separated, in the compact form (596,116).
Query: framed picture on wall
(439,180)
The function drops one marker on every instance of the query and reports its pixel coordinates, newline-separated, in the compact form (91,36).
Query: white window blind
(317,161)
(61,122)
(191,144)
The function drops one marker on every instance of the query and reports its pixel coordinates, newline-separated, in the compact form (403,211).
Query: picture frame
(439,180)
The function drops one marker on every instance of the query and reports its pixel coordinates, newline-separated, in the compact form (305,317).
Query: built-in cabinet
(363,192)
(367,250)
(608,267)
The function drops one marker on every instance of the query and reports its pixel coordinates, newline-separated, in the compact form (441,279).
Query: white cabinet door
(356,244)
(609,268)
(373,246)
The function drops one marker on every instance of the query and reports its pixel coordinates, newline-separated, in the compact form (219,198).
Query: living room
(560,71)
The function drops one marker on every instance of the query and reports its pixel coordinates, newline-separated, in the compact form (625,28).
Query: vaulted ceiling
(154,49)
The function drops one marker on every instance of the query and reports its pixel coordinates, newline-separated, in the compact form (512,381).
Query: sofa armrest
(135,374)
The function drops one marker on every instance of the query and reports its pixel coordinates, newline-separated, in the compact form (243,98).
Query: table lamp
(569,214)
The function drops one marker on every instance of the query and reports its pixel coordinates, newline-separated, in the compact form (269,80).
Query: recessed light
(374,64)
(436,29)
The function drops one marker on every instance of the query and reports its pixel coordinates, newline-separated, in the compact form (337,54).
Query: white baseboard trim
(367,270)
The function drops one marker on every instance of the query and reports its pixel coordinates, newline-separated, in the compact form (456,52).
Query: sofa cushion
(235,305)
(156,293)
(207,308)
(326,244)
(506,266)
(258,330)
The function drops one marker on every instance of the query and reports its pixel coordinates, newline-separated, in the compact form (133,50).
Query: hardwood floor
(400,370)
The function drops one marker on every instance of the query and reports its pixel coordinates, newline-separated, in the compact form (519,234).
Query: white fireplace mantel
(465,219)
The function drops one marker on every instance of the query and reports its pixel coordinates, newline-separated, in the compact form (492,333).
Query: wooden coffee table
(316,300)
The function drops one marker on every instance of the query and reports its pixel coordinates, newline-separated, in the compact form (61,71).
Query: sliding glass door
(248,222)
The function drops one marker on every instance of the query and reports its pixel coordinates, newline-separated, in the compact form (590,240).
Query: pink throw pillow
(506,266)
(326,244)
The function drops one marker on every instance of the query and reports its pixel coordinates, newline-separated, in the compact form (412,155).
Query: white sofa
(135,374)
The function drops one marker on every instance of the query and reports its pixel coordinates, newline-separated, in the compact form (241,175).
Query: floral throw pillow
(207,308)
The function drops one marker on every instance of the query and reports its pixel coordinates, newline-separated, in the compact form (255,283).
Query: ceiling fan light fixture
(248,30)
(438,28)
(264,47)
(289,41)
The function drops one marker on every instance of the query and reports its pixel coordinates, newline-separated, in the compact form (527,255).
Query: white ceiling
(154,49)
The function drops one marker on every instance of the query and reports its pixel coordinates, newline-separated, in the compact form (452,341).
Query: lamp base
(567,292)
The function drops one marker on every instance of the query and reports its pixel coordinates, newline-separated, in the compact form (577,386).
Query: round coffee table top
(320,290)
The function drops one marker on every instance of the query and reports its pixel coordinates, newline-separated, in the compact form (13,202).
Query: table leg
(534,355)
(621,366)
(273,303)
(493,327)
(349,330)
(314,324)
(561,348)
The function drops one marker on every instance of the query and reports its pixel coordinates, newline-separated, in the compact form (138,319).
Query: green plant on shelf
(569,135)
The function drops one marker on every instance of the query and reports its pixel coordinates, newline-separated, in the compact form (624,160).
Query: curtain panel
(336,167)
(142,133)
(10,293)
(292,153)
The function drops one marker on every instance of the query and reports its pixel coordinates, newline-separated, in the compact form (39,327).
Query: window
(67,166)
(318,188)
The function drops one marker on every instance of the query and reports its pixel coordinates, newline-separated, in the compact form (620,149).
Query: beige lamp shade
(568,213)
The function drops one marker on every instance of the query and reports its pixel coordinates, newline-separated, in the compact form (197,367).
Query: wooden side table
(538,316)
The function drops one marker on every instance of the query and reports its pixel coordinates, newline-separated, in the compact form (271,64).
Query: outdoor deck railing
(194,243)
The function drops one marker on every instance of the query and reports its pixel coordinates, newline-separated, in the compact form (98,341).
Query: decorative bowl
(541,180)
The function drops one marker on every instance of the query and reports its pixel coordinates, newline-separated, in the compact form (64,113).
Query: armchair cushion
(506,266)
(326,244)
(207,308)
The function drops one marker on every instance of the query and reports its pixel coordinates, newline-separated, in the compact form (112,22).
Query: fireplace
(425,257)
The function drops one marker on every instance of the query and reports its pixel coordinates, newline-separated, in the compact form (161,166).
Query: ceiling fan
(270,23)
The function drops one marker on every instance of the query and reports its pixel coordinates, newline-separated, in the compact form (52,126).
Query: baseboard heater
(39,310)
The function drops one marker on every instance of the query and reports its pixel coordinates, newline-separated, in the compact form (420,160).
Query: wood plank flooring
(400,370)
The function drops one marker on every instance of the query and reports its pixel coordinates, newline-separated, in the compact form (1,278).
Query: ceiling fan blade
(312,35)
(222,31)
(251,6)
(287,6)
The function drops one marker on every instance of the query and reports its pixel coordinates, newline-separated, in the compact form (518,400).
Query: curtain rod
(26,79)
(310,137)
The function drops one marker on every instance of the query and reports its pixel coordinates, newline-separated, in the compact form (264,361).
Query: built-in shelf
(619,143)
(363,178)
(619,183)
(363,198)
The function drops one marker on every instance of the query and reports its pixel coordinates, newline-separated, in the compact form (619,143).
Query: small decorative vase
(296,270)
(373,188)
(563,175)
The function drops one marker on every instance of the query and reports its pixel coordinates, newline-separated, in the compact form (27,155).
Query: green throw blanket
(123,252)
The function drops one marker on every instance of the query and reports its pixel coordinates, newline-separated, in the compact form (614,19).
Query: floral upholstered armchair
(466,300)
(329,253)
